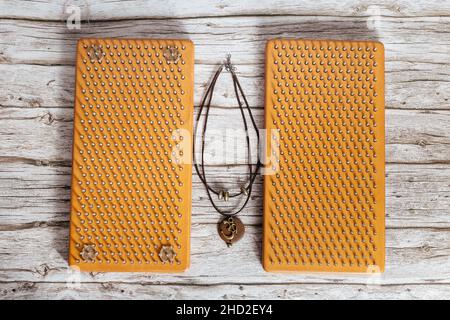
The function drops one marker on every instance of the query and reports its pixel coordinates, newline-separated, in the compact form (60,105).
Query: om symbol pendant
(231,230)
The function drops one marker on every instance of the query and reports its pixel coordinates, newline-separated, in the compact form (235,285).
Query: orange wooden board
(131,179)
(324,189)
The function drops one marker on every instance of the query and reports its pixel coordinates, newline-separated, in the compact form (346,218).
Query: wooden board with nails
(37,67)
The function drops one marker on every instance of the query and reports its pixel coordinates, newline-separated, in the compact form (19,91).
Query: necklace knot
(228,65)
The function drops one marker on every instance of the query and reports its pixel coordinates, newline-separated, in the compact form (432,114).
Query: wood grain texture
(145,9)
(414,255)
(36,114)
(412,70)
(45,134)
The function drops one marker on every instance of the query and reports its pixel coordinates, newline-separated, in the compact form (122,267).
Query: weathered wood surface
(40,54)
(36,110)
(143,9)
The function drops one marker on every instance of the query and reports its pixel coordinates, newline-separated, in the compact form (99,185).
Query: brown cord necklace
(230,228)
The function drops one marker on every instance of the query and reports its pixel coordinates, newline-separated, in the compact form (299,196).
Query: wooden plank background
(36,100)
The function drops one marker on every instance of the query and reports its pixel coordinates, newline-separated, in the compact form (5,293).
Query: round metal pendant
(231,230)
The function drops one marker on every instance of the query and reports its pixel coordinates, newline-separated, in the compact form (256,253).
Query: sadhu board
(324,188)
(131,178)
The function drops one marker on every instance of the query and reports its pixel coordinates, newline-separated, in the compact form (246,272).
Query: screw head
(171,54)
(167,253)
(88,253)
